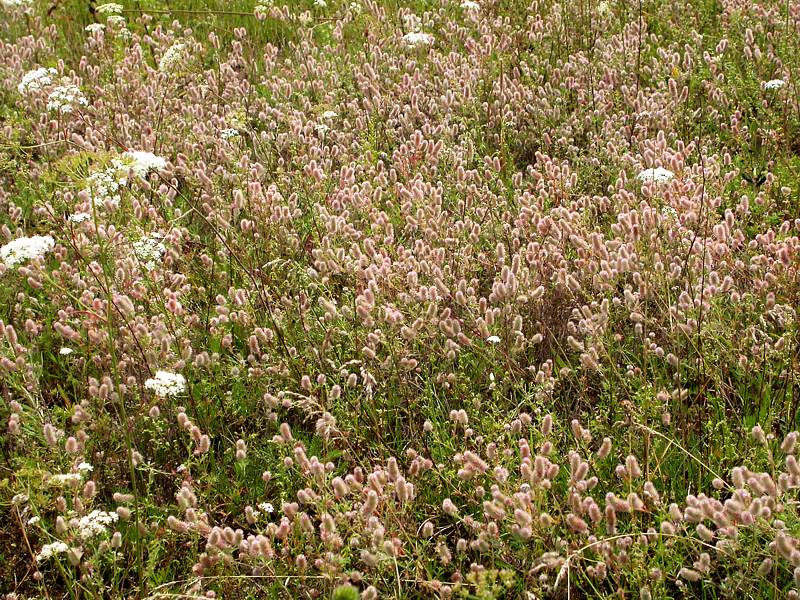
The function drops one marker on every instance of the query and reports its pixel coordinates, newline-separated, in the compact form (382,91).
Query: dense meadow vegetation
(380,299)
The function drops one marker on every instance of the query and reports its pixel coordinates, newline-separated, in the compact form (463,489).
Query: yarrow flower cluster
(165,384)
(49,550)
(25,248)
(328,115)
(64,97)
(149,250)
(35,80)
(95,523)
(657,175)
(470,5)
(229,133)
(94,27)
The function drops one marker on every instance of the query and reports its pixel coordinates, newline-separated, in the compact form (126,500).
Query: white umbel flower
(18,499)
(95,523)
(418,38)
(104,185)
(65,97)
(110,8)
(657,175)
(25,248)
(493,339)
(148,251)
(227,134)
(165,384)
(117,21)
(16,3)
(94,27)
(49,550)
(774,84)
(66,479)
(328,115)
(79,217)
(172,58)
(66,351)
(35,80)
(470,5)
(141,163)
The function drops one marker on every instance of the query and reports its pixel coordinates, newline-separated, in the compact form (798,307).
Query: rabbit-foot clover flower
(25,248)
(165,384)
